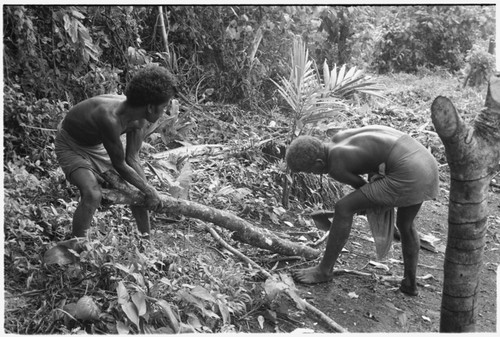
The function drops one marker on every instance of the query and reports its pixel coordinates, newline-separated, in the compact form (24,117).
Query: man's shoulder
(337,157)
(100,103)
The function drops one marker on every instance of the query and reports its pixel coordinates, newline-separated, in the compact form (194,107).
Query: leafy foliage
(481,64)
(132,282)
(345,85)
(55,56)
(29,129)
(88,50)
(182,273)
(302,91)
(312,101)
(430,36)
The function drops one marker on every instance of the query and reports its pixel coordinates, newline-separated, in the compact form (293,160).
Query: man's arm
(340,168)
(349,178)
(114,147)
(135,138)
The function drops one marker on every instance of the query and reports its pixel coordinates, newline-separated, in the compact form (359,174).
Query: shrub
(429,36)
(480,65)
(29,129)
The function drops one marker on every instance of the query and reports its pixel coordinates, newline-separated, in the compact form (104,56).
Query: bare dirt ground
(364,304)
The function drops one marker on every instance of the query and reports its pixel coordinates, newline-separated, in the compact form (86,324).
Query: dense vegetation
(230,62)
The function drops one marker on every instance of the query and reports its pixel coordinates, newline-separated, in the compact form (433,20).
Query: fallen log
(122,193)
(192,150)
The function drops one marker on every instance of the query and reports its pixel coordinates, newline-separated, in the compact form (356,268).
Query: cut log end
(445,117)
(493,95)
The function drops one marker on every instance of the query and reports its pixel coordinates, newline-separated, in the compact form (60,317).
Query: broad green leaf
(340,76)
(130,310)
(123,296)
(139,299)
(333,77)
(59,255)
(67,22)
(73,30)
(77,15)
(203,294)
(83,33)
(194,321)
(350,73)
(326,73)
(224,312)
(171,318)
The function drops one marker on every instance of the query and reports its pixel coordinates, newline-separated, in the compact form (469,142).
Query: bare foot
(407,288)
(311,275)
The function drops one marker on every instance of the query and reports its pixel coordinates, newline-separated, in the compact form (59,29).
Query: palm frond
(311,99)
(342,83)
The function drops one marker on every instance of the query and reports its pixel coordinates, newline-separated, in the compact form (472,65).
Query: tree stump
(473,154)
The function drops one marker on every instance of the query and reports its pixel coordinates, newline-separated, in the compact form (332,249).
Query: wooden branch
(193,150)
(236,252)
(321,240)
(324,318)
(243,230)
(289,291)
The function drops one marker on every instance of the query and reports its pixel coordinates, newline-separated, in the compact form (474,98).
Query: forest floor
(366,304)
(245,182)
(363,304)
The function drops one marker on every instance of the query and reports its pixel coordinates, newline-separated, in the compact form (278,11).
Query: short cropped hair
(151,85)
(303,153)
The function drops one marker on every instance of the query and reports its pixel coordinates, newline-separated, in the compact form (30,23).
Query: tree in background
(85,50)
(430,36)
(65,54)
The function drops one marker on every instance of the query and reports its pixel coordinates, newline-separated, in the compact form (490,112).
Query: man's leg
(410,243)
(90,199)
(339,233)
(141,216)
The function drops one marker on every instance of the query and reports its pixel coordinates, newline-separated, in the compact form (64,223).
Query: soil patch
(363,304)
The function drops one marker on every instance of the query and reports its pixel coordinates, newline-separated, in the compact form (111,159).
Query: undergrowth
(183,274)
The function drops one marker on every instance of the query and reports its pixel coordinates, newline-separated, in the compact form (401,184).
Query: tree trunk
(473,153)
(163,31)
(243,230)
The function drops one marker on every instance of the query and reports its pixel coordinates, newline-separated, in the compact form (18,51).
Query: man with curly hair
(88,143)
(410,177)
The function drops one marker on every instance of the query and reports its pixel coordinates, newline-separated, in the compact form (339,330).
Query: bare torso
(87,120)
(360,151)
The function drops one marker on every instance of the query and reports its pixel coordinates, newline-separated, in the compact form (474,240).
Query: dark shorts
(411,176)
(72,156)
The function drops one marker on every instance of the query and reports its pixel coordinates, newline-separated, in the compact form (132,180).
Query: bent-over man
(88,142)
(411,177)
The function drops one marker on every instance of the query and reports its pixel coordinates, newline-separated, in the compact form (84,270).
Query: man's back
(85,120)
(361,150)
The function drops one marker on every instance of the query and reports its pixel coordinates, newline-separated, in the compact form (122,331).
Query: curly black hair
(151,85)
(303,152)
